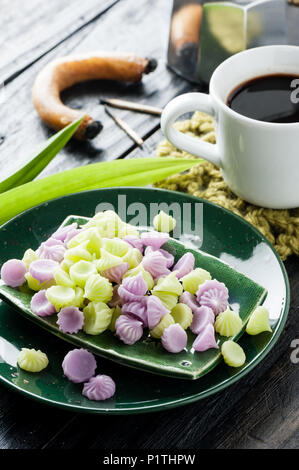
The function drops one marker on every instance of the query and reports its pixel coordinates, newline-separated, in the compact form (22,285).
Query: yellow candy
(32,360)
(115,247)
(127,229)
(78,239)
(163,222)
(145,274)
(258,322)
(79,297)
(29,257)
(66,264)
(165,322)
(116,312)
(228,323)
(169,284)
(183,315)
(133,257)
(192,280)
(78,253)
(62,278)
(108,261)
(35,285)
(233,354)
(81,271)
(97,318)
(60,296)
(168,300)
(98,289)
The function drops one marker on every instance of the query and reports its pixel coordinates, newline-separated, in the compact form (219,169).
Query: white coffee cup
(259,160)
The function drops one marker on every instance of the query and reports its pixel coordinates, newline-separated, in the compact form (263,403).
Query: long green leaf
(40,160)
(134,172)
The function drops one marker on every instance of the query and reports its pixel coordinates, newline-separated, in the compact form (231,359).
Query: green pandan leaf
(45,154)
(131,172)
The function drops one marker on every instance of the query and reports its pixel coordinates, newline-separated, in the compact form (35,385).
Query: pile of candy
(107,275)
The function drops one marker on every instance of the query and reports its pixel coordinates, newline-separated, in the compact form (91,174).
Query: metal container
(204,33)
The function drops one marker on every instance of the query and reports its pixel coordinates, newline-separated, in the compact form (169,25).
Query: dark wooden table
(260,411)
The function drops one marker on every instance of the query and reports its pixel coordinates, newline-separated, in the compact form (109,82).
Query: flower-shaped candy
(154,239)
(13,272)
(79,365)
(43,269)
(213,294)
(202,317)
(128,329)
(70,320)
(40,305)
(116,273)
(205,340)
(99,388)
(185,265)
(174,338)
(132,288)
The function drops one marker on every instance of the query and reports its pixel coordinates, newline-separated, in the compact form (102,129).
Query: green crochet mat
(281,227)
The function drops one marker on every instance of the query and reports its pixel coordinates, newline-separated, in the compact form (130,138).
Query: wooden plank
(122,28)
(30,29)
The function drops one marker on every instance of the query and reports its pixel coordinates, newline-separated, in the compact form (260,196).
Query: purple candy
(40,305)
(174,338)
(42,269)
(136,309)
(206,339)
(128,329)
(52,249)
(213,294)
(61,233)
(116,301)
(116,273)
(190,300)
(154,239)
(13,272)
(155,311)
(99,388)
(134,242)
(132,288)
(70,320)
(79,365)
(168,256)
(185,265)
(71,234)
(202,317)
(156,264)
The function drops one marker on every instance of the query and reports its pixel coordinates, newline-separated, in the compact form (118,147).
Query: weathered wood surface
(258,411)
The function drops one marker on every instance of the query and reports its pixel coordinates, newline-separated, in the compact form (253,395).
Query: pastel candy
(174,338)
(169,284)
(79,365)
(202,317)
(182,314)
(168,299)
(213,294)
(156,264)
(184,265)
(70,320)
(116,273)
(258,322)
(116,300)
(145,274)
(205,340)
(61,296)
(71,234)
(190,300)
(164,323)
(61,233)
(154,239)
(228,323)
(99,388)
(43,269)
(52,249)
(32,360)
(108,260)
(81,271)
(98,289)
(155,310)
(233,354)
(134,242)
(97,318)
(164,222)
(192,280)
(133,257)
(29,256)
(116,246)
(116,312)
(40,305)
(137,310)
(132,288)
(13,272)
(128,329)
(168,256)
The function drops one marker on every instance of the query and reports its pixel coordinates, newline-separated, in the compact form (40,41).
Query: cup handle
(184,104)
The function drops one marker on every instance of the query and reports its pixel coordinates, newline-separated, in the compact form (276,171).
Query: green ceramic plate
(224,236)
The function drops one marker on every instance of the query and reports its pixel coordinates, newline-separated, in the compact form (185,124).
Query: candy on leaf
(70,320)
(133,257)
(29,257)
(134,242)
(258,322)
(51,249)
(233,354)
(98,289)
(145,274)
(60,296)
(95,242)
(99,388)
(174,338)
(62,278)
(165,321)
(205,340)
(192,280)
(202,317)
(190,300)
(125,230)
(116,273)
(81,271)
(81,237)
(169,284)
(43,269)
(62,232)
(182,314)
(97,318)
(35,285)
(163,222)
(115,246)
(78,253)
(213,294)
(155,310)
(228,323)
(132,288)
(116,312)
(154,239)
(168,256)
(32,360)
(168,299)
(40,305)
(184,265)
(79,365)
(155,263)
(136,310)
(13,272)
(108,260)
(128,329)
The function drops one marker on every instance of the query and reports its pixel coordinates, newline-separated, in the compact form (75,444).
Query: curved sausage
(66,71)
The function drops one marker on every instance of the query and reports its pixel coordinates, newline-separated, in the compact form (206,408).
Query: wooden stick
(132,106)
(126,128)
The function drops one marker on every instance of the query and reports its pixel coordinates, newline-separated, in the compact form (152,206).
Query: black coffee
(270,98)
